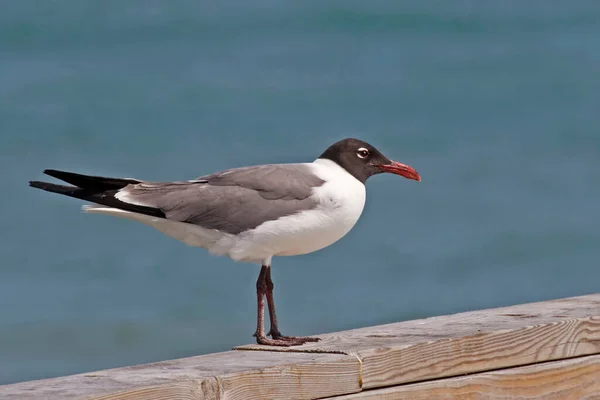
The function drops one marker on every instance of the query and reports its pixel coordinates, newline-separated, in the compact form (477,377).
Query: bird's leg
(274,331)
(261,291)
(261,288)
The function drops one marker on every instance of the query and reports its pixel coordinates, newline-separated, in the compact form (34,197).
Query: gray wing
(231,201)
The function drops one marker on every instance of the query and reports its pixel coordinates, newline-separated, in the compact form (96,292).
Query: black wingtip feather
(95,183)
(53,188)
(95,195)
(55,173)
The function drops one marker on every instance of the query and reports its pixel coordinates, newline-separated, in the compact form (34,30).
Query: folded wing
(231,201)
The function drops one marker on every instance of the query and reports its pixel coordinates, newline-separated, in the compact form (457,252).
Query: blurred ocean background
(495,103)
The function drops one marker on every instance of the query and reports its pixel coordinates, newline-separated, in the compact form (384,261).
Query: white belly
(341,201)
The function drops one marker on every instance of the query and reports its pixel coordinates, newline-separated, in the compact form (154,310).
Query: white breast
(341,200)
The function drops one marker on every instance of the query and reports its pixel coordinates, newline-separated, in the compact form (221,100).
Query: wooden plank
(468,342)
(350,361)
(228,375)
(572,379)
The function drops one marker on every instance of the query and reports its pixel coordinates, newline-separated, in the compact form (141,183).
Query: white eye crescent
(362,153)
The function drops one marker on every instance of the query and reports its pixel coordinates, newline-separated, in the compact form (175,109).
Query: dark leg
(274,331)
(261,290)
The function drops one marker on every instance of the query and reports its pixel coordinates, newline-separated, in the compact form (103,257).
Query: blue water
(496,104)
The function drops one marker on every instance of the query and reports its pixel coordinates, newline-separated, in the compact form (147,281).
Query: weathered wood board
(350,361)
(229,375)
(468,342)
(572,379)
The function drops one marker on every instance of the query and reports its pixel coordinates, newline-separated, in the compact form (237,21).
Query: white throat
(330,170)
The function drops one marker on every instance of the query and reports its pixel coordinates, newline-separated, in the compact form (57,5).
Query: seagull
(249,214)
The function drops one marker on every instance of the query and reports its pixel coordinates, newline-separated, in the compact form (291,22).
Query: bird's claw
(277,339)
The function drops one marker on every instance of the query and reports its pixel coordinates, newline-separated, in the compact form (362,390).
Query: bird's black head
(362,160)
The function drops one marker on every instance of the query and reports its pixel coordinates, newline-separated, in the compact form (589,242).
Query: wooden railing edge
(349,362)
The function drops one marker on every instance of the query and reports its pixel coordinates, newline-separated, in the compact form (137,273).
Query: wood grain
(293,381)
(350,361)
(481,352)
(228,375)
(573,379)
(468,342)
(296,381)
(186,390)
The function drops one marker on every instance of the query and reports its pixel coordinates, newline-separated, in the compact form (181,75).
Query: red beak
(401,169)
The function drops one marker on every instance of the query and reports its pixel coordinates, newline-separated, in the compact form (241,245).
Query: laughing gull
(249,214)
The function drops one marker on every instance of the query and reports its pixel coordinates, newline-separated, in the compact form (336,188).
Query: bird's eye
(362,153)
